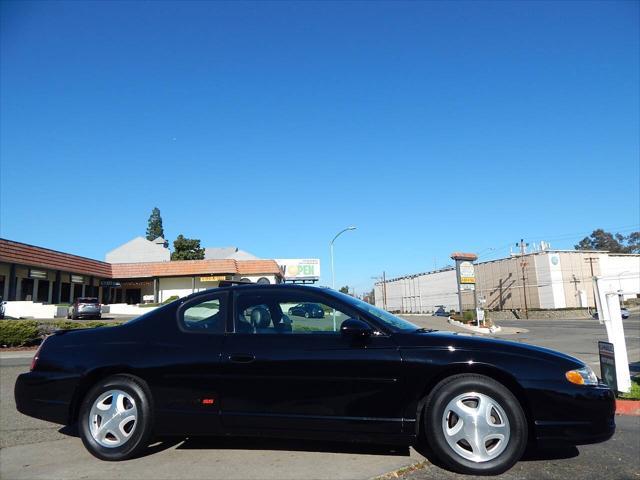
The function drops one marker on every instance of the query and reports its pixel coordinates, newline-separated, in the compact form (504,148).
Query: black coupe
(229,361)
(307,310)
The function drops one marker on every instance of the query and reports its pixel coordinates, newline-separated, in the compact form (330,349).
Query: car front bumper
(574,415)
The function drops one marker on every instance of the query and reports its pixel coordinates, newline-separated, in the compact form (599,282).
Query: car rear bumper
(45,395)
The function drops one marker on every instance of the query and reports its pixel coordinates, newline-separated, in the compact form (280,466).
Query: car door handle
(241,358)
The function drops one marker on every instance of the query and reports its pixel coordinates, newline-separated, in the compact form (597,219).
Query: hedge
(18,333)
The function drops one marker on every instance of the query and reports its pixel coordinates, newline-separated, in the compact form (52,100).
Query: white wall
(626,268)
(421,293)
(180,286)
(550,283)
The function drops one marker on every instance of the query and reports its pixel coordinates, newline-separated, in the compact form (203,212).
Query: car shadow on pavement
(532,453)
(261,443)
(158,445)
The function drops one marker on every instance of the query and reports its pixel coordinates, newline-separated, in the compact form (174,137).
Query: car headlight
(582,376)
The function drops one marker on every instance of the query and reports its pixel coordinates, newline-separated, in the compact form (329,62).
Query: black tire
(306,314)
(141,434)
(448,390)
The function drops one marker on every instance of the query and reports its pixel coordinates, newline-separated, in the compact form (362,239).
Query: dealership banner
(300,268)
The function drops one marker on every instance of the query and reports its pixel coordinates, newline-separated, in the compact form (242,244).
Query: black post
(57,288)
(12,283)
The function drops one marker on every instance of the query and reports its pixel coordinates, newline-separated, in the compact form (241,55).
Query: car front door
(186,373)
(297,373)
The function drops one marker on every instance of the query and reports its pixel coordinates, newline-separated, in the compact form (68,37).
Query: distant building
(227,253)
(140,250)
(137,271)
(552,279)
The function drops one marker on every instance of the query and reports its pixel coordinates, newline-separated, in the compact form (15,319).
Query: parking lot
(32,448)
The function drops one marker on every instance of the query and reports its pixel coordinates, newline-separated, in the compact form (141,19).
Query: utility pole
(384,290)
(591,260)
(523,264)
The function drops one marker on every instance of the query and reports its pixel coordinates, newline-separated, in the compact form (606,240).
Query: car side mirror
(353,327)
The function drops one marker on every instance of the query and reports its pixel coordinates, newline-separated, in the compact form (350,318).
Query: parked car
(623,312)
(307,310)
(85,307)
(196,367)
(440,312)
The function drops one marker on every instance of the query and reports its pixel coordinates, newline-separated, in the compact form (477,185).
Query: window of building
(65,292)
(43,291)
(26,289)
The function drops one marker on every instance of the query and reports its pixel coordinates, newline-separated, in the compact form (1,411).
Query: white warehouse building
(553,279)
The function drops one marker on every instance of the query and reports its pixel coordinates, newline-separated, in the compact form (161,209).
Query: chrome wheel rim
(113,418)
(476,427)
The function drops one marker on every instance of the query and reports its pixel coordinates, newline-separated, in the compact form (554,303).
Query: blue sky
(432,127)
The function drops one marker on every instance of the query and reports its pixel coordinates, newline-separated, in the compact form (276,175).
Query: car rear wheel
(475,425)
(115,419)
(306,314)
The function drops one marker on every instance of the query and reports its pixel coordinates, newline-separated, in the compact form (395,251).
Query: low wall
(33,310)
(124,309)
(540,314)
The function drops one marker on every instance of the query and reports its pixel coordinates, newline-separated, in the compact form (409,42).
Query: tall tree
(618,243)
(154,228)
(345,289)
(187,249)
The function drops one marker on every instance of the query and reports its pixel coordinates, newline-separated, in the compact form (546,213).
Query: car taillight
(36,357)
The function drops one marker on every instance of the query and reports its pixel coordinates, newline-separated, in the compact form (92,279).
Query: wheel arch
(90,379)
(495,373)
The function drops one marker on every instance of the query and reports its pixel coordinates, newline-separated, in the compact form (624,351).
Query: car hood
(467,342)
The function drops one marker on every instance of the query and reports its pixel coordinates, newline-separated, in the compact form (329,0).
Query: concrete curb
(473,328)
(628,407)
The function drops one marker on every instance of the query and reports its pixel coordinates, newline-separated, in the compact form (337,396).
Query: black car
(307,310)
(440,312)
(229,361)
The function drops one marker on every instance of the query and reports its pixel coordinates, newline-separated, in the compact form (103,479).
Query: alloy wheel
(113,418)
(476,427)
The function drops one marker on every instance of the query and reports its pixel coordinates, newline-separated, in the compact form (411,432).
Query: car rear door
(310,378)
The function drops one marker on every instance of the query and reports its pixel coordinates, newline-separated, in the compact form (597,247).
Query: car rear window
(87,300)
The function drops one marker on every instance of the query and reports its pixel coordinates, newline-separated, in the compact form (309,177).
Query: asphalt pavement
(35,449)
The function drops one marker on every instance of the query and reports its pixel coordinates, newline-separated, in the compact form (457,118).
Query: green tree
(154,228)
(618,243)
(345,289)
(187,249)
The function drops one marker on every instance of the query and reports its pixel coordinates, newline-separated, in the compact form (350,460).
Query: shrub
(50,327)
(468,316)
(16,333)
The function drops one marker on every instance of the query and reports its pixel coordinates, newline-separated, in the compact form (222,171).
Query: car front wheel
(115,419)
(475,425)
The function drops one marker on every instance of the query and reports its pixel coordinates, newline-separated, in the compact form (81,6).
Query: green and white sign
(300,268)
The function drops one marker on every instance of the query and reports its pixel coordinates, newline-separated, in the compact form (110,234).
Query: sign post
(608,290)
(608,373)
(465,275)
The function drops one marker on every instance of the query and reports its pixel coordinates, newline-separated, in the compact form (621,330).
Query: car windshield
(396,323)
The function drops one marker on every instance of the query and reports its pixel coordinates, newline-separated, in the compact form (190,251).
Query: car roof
(261,286)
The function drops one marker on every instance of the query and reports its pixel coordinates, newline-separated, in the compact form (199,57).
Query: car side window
(204,316)
(285,313)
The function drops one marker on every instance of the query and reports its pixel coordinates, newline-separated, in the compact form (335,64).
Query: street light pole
(333,273)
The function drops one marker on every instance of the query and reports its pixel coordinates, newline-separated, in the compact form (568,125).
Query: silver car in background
(85,307)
